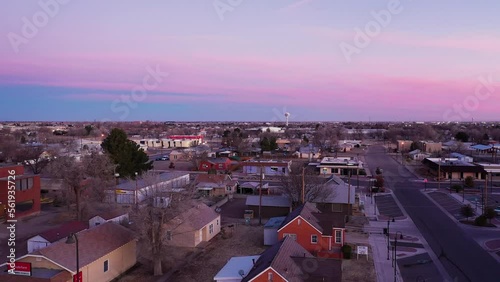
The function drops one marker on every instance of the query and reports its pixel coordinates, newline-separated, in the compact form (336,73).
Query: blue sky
(89,60)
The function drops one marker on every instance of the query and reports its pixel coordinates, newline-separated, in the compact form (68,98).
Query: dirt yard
(242,241)
(355,270)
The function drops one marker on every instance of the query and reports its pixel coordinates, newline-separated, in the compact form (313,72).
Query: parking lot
(450,204)
(387,206)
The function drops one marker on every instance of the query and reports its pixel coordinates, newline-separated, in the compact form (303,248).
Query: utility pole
(260,195)
(485,202)
(303,186)
(349,195)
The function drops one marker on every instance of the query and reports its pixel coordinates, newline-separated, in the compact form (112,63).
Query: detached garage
(272,206)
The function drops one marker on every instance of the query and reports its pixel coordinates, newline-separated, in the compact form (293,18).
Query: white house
(236,269)
(53,235)
(114,216)
(269,168)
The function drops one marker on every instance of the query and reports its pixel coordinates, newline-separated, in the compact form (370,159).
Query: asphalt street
(460,255)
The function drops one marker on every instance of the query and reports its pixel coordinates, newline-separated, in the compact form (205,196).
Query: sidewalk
(411,245)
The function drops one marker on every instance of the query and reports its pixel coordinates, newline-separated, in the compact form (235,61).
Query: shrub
(467,211)
(480,220)
(489,213)
(346,250)
(456,187)
(469,181)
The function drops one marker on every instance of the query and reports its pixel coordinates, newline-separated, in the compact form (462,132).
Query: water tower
(287,114)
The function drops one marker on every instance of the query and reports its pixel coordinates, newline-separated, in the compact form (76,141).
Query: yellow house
(104,252)
(197,224)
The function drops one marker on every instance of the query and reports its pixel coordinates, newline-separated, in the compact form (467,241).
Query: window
(24,184)
(217,222)
(269,276)
(106,265)
(283,169)
(273,168)
(314,239)
(336,207)
(211,229)
(338,236)
(293,236)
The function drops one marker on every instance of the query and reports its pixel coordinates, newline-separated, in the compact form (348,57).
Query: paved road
(460,255)
(448,203)
(387,206)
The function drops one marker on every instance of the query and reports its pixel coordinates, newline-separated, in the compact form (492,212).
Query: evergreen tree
(125,153)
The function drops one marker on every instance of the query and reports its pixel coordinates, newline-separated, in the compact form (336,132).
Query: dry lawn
(244,241)
(355,270)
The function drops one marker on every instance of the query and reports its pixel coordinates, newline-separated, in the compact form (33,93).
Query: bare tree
(160,205)
(31,156)
(305,183)
(86,179)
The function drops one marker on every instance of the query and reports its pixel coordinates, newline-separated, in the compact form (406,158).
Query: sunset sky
(253,61)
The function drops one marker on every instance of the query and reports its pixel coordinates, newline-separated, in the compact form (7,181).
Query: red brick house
(219,164)
(289,261)
(321,234)
(27,194)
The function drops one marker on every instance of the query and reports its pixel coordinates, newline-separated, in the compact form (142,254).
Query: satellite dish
(241,272)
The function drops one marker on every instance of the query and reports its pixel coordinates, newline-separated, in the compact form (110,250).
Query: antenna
(241,272)
(287,114)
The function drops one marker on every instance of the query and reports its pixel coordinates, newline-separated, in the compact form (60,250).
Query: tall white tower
(287,114)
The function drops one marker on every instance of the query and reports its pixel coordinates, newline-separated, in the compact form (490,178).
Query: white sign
(362,250)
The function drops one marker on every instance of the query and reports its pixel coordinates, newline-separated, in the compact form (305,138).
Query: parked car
(497,210)
(163,158)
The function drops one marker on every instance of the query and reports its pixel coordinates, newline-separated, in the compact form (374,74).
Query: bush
(489,213)
(457,187)
(467,211)
(346,250)
(480,220)
(469,182)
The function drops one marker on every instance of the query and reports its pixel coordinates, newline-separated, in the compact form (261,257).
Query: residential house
(338,197)
(53,235)
(267,167)
(252,187)
(115,216)
(462,158)
(322,234)
(270,206)
(105,252)
(236,268)
(341,166)
(215,184)
(195,225)
(27,188)
(177,155)
(283,144)
(418,155)
(219,164)
(308,152)
(289,261)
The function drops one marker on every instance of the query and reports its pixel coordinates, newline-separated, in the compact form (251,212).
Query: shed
(236,268)
(271,230)
(272,206)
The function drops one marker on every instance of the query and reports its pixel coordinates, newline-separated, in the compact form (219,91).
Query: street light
(72,238)
(395,247)
(388,236)
(136,189)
